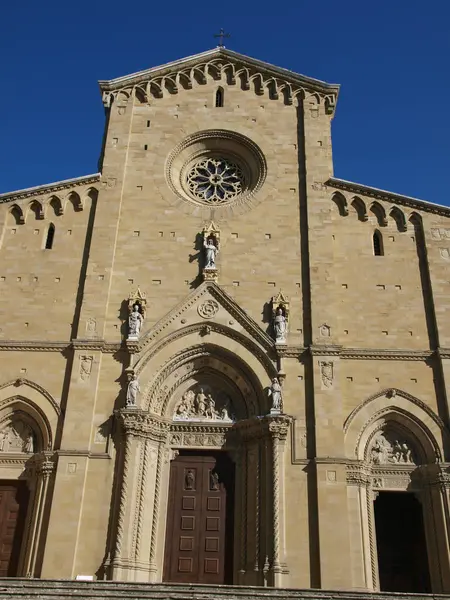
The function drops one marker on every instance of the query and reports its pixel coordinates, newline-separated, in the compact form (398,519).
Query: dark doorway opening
(13,509)
(401,545)
(200,514)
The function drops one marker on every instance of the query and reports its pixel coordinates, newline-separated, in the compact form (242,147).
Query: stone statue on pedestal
(280,326)
(211,251)
(135,321)
(132,390)
(275,394)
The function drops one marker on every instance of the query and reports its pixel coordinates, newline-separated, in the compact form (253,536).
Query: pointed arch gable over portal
(394,404)
(208,354)
(206,330)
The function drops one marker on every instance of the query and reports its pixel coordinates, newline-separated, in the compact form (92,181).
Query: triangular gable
(219,63)
(209,303)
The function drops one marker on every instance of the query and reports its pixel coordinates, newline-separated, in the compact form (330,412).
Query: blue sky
(391,57)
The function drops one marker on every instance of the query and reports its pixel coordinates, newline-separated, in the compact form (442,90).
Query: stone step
(60,589)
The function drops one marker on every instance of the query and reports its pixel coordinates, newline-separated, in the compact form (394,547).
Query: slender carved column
(276,566)
(243,541)
(257,513)
(155,519)
(142,494)
(123,495)
(371,495)
(44,472)
(278,428)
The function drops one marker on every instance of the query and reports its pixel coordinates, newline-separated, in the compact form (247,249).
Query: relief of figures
(202,406)
(390,451)
(17,437)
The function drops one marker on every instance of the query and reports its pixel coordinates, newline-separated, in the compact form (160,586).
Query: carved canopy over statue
(17,436)
(211,246)
(202,406)
(390,448)
(137,303)
(280,317)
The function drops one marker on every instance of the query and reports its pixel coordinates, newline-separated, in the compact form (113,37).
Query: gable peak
(219,64)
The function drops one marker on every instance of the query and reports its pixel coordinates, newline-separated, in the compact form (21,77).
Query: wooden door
(199,532)
(13,508)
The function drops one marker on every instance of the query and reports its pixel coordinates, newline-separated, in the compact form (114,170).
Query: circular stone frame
(216,143)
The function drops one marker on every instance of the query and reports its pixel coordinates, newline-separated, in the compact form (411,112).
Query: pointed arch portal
(206,450)
(397,441)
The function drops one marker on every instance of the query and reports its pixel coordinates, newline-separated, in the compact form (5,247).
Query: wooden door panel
(196,529)
(13,507)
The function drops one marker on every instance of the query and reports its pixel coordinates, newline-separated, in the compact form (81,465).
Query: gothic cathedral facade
(220,363)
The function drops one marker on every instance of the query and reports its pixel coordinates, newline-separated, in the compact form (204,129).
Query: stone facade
(364,364)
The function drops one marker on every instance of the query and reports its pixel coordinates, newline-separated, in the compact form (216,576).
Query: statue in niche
(211,251)
(213,481)
(135,321)
(132,390)
(280,326)
(203,407)
(275,395)
(390,451)
(189,480)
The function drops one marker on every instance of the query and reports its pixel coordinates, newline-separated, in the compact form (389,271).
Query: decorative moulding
(224,64)
(49,188)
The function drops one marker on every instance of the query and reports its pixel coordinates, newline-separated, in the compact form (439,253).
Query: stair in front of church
(61,589)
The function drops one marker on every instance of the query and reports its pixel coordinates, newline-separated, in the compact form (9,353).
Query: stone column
(134,555)
(278,428)
(38,503)
(435,499)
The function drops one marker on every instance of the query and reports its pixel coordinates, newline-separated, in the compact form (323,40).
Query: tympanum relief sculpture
(203,406)
(17,436)
(388,448)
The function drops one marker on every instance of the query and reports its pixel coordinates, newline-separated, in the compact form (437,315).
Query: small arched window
(50,237)
(219,97)
(378,249)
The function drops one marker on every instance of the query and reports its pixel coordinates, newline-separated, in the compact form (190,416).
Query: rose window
(215,180)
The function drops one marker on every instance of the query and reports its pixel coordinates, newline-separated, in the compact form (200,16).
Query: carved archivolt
(195,361)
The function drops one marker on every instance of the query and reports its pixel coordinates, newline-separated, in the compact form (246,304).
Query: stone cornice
(288,351)
(83,453)
(365,190)
(180,73)
(49,188)
(44,346)
(384,354)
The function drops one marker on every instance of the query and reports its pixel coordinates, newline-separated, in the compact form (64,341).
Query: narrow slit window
(50,237)
(378,249)
(219,98)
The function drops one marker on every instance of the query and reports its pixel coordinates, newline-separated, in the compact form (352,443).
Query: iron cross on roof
(221,35)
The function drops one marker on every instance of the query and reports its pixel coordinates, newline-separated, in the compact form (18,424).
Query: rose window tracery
(215,180)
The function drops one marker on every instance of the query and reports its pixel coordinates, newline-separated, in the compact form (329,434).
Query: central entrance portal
(199,531)
(401,544)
